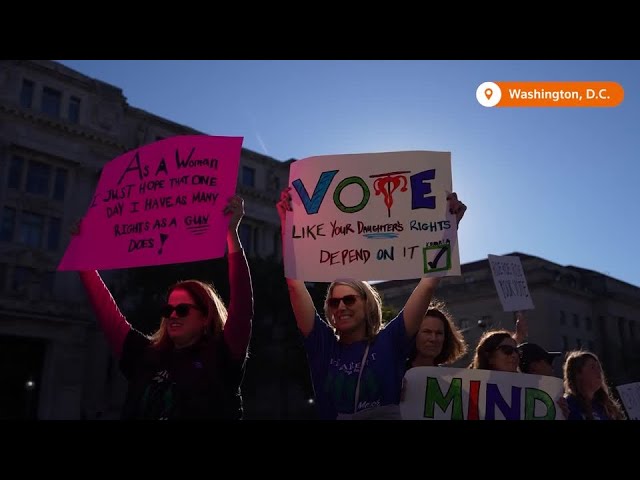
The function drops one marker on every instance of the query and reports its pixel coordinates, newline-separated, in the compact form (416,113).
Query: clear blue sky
(559,183)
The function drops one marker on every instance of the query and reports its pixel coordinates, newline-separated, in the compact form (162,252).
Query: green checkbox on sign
(437,258)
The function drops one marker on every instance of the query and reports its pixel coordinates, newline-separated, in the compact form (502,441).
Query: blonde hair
(207,299)
(573,365)
(373,305)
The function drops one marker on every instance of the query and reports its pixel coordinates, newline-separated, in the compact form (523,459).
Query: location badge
(488,94)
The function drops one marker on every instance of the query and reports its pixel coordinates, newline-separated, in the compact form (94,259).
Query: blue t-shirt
(335,368)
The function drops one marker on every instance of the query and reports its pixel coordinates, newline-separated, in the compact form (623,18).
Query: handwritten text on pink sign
(159,204)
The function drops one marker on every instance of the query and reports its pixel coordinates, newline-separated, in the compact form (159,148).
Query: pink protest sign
(158,204)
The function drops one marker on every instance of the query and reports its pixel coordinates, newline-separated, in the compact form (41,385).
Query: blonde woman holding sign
(356,365)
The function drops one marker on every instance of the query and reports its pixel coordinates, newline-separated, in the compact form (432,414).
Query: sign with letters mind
(441,393)
(511,283)
(376,216)
(630,396)
(158,204)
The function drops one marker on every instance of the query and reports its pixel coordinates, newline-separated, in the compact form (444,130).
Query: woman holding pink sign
(192,366)
(357,366)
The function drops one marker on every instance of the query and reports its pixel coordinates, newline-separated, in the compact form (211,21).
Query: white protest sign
(630,396)
(440,393)
(511,283)
(377,216)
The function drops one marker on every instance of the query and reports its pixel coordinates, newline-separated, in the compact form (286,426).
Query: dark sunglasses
(507,349)
(182,310)
(348,300)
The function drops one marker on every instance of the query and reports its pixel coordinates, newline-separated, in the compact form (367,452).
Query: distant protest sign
(630,396)
(377,216)
(158,204)
(511,283)
(440,393)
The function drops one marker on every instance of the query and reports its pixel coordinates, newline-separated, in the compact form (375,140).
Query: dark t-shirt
(201,381)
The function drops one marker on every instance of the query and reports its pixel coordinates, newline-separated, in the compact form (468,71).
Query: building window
(277,243)
(26,95)
(51,100)
(21,279)
(248,176)
(7,225)
(621,328)
(632,330)
(38,178)
(565,343)
(15,173)
(464,323)
(273,182)
(74,109)
(592,347)
(53,236)
(47,283)
(59,184)
(31,229)
(256,241)
(244,232)
(588,323)
(563,318)
(576,320)
(578,343)
(3,276)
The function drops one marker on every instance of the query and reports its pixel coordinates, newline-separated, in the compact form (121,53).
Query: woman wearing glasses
(352,336)
(192,366)
(496,350)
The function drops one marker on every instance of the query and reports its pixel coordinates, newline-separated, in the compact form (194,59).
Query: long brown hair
(204,296)
(373,305)
(487,344)
(454,345)
(573,365)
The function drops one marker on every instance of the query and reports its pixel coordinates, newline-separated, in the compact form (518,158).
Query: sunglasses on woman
(507,349)
(348,300)
(182,310)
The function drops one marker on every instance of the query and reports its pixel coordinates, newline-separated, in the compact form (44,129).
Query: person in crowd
(536,360)
(357,366)
(193,365)
(496,350)
(586,390)
(438,341)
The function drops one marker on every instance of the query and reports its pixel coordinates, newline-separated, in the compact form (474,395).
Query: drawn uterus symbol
(386,184)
